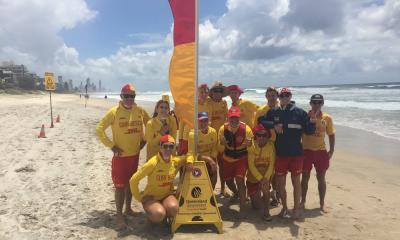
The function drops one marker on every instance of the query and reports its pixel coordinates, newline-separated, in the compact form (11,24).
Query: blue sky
(253,43)
(118,21)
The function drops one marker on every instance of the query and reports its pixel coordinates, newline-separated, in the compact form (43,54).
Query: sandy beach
(60,187)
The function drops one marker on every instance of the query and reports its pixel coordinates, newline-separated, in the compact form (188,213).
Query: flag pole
(196,99)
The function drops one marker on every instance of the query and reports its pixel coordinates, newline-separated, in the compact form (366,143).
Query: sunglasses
(283,95)
(218,90)
(128,95)
(261,134)
(317,102)
(168,146)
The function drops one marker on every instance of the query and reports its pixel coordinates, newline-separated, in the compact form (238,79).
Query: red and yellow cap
(234,112)
(285,90)
(260,128)
(128,89)
(235,88)
(167,139)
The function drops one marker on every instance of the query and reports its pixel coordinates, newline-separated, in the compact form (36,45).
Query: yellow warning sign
(49,83)
(197,204)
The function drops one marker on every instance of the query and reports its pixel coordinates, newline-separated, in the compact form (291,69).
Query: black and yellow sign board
(49,82)
(197,204)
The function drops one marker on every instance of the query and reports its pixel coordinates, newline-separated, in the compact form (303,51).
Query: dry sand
(60,187)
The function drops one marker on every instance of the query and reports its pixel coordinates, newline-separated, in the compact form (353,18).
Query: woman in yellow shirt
(158,198)
(161,124)
(261,162)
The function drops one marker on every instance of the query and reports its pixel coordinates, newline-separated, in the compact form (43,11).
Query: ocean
(373,107)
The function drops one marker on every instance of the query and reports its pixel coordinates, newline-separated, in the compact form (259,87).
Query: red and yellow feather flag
(182,69)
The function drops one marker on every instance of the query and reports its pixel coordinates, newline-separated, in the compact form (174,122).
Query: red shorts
(122,169)
(319,158)
(235,169)
(252,188)
(292,164)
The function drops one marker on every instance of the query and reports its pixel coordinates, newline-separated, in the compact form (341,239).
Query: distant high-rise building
(70,86)
(100,85)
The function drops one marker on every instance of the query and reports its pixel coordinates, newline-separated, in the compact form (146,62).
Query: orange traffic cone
(58,118)
(42,134)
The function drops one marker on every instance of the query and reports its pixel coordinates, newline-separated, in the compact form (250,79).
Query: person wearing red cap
(261,168)
(315,152)
(158,199)
(289,122)
(203,106)
(272,101)
(127,121)
(160,124)
(247,108)
(235,137)
(206,146)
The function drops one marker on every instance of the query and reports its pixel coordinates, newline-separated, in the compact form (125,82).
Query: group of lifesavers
(250,147)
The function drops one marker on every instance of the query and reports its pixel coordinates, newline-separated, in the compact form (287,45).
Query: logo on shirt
(196,172)
(196,192)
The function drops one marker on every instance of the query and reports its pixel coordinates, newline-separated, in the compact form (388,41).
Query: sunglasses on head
(218,90)
(128,95)
(167,146)
(282,95)
(317,102)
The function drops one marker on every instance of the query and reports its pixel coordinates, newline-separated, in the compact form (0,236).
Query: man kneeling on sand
(126,121)
(158,199)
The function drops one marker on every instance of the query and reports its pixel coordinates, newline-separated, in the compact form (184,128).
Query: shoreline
(60,186)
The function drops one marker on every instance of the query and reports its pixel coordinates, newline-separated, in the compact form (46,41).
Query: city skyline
(253,43)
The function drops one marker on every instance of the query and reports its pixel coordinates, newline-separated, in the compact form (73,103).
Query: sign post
(50,86)
(197,204)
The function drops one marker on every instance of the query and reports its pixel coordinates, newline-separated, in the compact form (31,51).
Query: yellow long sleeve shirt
(261,162)
(247,111)
(219,113)
(127,128)
(184,129)
(207,143)
(152,134)
(160,177)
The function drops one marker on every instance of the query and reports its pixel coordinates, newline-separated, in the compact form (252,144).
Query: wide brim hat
(218,84)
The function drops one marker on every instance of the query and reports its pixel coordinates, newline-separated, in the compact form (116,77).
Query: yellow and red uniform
(183,134)
(235,151)
(262,111)
(127,133)
(207,143)
(127,128)
(219,113)
(261,162)
(316,141)
(160,177)
(247,111)
(153,135)
(314,145)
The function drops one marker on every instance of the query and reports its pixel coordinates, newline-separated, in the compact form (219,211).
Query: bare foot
(284,213)
(129,212)
(295,214)
(267,216)
(120,221)
(323,209)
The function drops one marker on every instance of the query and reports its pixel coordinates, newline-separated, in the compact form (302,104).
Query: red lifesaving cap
(235,88)
(128,89)
(167,139)
(234,112)
(259,128)
(285,90)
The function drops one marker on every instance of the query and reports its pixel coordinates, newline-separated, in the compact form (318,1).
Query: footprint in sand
(25,169)
(378,199)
